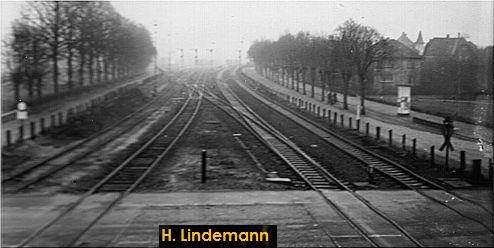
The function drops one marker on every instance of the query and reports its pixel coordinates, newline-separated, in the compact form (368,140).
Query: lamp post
(156,44)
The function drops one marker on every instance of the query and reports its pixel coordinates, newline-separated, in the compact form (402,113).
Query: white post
(359,107)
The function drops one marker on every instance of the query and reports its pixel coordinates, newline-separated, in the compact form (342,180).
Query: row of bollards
(54,121)
(327,113)
(332,119)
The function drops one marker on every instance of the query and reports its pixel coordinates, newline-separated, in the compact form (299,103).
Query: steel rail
(104,180)
(26,184)
(363,200)
(80,143)
(359,229)
(386,160)
(139,180)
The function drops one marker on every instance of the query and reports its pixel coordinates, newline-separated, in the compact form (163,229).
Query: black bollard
(53,122)
(476,170)
(358,125)
(350,122)
(60,118)
(446,160)
(432,150)
(367,129)
(33,130)
(403,141)
(9,137)
(42,125)
(490,169)
(414,147)
(203,166)
(378,133)
(462,161)
(335,117)
(21,133)
(342,120)
(390,137)
(370,173)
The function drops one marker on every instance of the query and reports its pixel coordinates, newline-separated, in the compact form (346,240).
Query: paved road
(385,116)
(303,218)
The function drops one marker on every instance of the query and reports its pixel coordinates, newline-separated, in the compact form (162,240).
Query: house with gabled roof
(418,45)
(402,66)
(450,66)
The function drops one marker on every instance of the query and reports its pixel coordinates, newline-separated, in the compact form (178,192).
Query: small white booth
(404,98)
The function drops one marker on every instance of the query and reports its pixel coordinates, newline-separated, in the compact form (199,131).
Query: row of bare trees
(76,44)
(298,58)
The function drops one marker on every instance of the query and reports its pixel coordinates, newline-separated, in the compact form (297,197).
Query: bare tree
(361,46)
(48,16)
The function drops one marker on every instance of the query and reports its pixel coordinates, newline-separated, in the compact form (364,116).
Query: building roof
(445,46)
(405,40)
(419,39)
(400,50)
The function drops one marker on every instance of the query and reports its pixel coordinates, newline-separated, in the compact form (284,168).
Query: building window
(386,77)
(387,63)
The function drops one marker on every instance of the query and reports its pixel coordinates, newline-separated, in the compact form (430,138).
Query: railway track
(382,165)
(314,175)
(45,168)
(130,173)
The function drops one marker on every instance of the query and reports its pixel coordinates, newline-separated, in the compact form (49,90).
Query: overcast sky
(224,25)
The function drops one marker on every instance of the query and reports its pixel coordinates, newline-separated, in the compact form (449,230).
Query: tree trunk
(114,69)
(30,82)
(105,69)
(283,76)
(327,75)
(312,81)
(17,81)
(323,85)
(55,47)
(98,68)
(39,80)
(298,79)
(82,63)
(362,95)
(346,83)
(304,77)
(36,68)
(70,69)
(292,76)
(90,67)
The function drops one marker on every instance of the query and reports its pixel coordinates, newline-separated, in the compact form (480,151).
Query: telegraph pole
(181,56)
(195,55)
(239,57)
(211,51)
